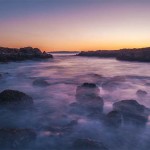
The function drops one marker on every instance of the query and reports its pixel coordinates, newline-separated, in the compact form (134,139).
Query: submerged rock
(86,89)
(131,112)
(15,100)
(87,96)
(11,138)
(113,119)
(141,93)
(129,106)
(40,82)
(88,144)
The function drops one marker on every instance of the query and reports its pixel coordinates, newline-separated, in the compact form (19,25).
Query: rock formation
(26,53)
(15,100)
(87,96)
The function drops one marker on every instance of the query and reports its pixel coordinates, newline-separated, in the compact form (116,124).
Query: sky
(54,25)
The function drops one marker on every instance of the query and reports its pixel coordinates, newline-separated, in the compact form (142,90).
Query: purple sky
(75,24)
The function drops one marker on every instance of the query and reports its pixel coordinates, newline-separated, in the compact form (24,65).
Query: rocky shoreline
(140,54)
(26,53)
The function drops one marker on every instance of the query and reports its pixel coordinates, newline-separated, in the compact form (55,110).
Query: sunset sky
(75,24)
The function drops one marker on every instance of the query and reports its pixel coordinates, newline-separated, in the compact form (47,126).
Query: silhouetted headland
(139,54)
(26,53)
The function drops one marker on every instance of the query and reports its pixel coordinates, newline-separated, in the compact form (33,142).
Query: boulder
(12,138)
(15,100)
(85,90)
(131,112)
(88,144)
(87,96)
(129,106)
(113,119)
(40,82)
(141,93)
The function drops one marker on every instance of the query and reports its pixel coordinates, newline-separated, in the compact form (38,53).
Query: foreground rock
(140,54)
(87,96)
(113,119)
(88,144)
(127,112)
(16,139)
(15,100)
(27,53)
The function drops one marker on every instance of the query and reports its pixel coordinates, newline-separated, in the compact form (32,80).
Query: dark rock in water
(87,95)
(88,144)
(141,93)
(40,82)
(129,106)
(113,119)
(132,112)
(15,100)
(16,139)
(86,90)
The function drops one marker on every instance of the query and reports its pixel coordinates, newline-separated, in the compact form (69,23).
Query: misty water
(52,103)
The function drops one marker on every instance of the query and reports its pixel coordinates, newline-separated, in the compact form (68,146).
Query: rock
(88,144)
(40,82)
(132,112)
(99,53)
(113,119)
(141,93)
(85,91)
(12,139)
(87,95)
(129,106)
(26,53)
(15,100)
(139,54)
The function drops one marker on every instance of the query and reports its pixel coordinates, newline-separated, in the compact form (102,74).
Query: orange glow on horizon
(76,26)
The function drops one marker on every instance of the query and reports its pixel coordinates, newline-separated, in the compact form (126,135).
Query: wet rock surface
(113,119)
(15,100)
(141,93)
